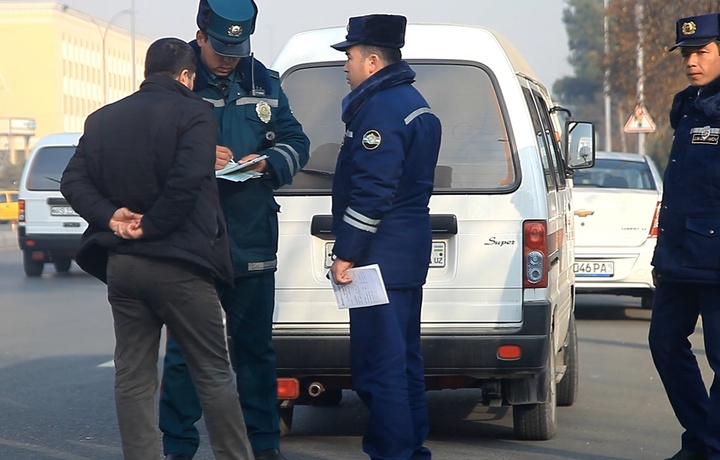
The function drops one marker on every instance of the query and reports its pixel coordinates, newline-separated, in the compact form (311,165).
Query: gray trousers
(144,294)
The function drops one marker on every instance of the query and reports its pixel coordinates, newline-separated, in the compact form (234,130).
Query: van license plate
(62,211)
(437,256)
(594,268)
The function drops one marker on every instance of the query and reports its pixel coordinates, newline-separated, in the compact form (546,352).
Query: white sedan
(616,209)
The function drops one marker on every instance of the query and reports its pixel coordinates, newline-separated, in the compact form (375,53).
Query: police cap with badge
(697,30)
(228,25)
(384,30)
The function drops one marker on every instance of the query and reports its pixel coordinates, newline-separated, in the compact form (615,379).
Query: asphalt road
(56,386)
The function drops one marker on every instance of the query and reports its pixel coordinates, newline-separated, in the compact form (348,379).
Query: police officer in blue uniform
(254,119)
(381,189)
(687,255)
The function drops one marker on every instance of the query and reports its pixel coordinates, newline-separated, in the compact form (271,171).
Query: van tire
(538,422)
(568,387)
(32,267)
(62,264)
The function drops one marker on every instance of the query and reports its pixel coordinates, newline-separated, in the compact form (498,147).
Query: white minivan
(49,230)
(498,309)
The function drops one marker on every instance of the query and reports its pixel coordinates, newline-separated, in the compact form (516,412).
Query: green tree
(582,92)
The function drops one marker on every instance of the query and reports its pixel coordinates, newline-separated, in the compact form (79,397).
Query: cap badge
(234,30)
(689,28)
(263,111)
(371,140)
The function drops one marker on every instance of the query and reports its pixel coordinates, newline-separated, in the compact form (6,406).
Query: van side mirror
(579,144)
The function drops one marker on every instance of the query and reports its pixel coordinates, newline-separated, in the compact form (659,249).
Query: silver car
(616,209)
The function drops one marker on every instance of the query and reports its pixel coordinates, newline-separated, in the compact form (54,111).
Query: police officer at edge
(254,119)
(687,255)
(381,190)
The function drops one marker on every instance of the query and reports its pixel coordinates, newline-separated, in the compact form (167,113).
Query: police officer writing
(381,190)
(687,255)
(254,119)
(143,177)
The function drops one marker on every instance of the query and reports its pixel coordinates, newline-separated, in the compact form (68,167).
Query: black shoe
(685,454)
(270,454)
(178,457)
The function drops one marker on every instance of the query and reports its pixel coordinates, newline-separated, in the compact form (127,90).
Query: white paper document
(236,171)
(366,289)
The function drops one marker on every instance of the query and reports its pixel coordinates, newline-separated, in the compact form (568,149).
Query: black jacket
(154,153)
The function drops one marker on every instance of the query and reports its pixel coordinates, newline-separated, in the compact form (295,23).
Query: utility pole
(606,83)
(133,81)
(639,16)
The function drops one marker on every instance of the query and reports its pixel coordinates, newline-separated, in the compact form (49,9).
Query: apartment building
(58,65)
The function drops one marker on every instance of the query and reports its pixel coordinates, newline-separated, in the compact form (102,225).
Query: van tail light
(288,388)
(654,224)
(535,254)
(21,210)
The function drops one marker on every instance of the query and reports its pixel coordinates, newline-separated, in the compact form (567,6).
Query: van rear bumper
(67,244)
(459,351)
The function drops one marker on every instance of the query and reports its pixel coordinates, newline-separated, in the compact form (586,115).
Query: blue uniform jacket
(241,106)
(384,177)
(688,246)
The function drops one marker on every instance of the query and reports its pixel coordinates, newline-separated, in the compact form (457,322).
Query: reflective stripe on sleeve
(290,154)
(360,221)
(416,113)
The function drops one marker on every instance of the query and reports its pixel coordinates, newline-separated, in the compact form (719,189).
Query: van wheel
(62,264)
(285,415)
(32,267)
(538,422)
(568,387)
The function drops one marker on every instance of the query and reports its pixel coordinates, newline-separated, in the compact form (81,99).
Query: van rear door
(477,209)
(46,210)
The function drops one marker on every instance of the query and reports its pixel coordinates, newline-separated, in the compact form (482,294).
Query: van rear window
(47,167)
(475,155)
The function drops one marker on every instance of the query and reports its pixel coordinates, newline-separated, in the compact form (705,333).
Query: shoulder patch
(371,140)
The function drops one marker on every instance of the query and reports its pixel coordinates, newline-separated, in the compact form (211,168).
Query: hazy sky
(534,26)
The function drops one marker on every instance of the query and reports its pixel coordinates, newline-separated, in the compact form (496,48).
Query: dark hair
(169,57)
(388,55)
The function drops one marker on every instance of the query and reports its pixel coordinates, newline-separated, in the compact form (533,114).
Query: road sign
(640,121)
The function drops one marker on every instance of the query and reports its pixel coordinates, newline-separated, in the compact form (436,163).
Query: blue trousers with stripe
(388,375)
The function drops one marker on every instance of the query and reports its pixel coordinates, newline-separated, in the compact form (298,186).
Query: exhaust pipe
(315,389)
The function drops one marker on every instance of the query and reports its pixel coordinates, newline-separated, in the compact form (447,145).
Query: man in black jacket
(143,178)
